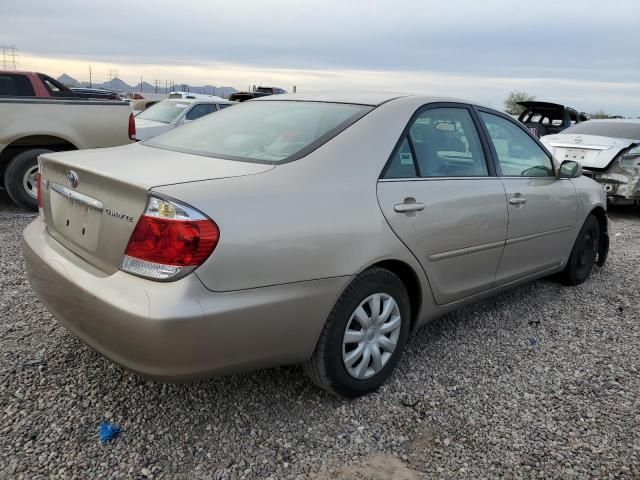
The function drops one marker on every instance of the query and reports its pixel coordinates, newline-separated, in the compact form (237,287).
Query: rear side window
(262,131)
(55,89)
(518,154)
(16,85)
(441,142)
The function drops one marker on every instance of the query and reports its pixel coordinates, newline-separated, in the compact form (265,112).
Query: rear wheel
(20,178)
(364,336)
(584,253)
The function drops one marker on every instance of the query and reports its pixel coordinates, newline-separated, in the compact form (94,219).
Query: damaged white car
(609,151)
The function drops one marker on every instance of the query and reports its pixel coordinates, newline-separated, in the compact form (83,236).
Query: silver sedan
(303,229)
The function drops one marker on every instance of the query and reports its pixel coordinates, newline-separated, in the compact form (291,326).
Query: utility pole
(140,83)
(9,57)
(90,78)
(112,74)
(155,83)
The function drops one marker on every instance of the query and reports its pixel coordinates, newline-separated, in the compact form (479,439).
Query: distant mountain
(68,81)
(120,86)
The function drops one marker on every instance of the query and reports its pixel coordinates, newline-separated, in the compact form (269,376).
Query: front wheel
(584,253)
(364,336)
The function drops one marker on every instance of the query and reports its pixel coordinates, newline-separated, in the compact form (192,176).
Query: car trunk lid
(592,151)
(92,199)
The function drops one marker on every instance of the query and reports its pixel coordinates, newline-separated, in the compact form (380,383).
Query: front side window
(16,85)
(262,131)
(518,154)
(445,143)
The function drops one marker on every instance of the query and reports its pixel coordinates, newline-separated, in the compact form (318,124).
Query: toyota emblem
(72,178)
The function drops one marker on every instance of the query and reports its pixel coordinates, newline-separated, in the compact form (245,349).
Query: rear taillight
(39,183)
(169,241)
(132,127)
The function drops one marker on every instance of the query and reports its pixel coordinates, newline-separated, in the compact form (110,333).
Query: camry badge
(72,178)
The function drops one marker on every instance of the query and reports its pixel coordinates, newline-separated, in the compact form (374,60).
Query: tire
(19,178)
(583,254)
(328,366)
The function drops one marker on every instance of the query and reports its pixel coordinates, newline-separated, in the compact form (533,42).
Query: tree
(511,103)
(600,114)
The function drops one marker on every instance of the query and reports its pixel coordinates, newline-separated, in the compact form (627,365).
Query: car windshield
(607,129)
(165,112)
(263,131)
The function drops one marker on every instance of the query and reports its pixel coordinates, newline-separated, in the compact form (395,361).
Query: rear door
(440,195)
(542,208)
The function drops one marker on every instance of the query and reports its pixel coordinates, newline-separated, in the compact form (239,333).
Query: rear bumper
(177,330)
(618,187)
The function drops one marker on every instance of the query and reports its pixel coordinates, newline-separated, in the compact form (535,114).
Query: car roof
(196,100)
(616,120)
(361,98)
(544,106)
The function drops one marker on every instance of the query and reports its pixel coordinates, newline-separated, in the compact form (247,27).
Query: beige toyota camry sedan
(319,230)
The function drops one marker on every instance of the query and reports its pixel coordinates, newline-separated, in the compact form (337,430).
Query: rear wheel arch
(18,165)
(411,283)
(50,142)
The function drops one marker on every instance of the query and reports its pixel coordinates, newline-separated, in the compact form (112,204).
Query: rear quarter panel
(316,217)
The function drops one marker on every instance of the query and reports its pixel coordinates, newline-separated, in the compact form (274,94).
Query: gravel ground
(539,382)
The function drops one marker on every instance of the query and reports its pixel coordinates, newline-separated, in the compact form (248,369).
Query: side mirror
(570,169)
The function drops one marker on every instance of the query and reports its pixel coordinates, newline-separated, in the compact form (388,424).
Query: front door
(440,196)
(542,208)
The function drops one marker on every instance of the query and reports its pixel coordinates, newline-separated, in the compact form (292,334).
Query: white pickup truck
(31,126)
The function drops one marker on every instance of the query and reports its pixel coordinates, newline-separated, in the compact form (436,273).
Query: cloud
(493,45)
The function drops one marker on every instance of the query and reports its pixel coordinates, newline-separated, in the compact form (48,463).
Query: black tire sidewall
(574,275)
(14,174)
(380,282)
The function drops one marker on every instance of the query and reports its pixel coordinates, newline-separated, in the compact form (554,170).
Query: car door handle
(408,207)
(517,200)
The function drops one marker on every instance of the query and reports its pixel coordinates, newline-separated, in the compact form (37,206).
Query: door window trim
(494,153)
(487,152)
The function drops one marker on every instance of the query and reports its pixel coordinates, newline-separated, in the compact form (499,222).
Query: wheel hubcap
(371,335)
(30,181)
(588,251)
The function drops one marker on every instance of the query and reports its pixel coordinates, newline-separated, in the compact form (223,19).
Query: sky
(581,53)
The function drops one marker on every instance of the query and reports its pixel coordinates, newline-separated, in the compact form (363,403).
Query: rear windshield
(16,85)
(262,131)
(607,129)
(165,112)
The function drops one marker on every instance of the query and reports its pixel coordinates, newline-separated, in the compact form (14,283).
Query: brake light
(132,127)
(169,241)
(39,190)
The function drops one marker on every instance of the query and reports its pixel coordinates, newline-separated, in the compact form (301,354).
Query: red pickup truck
(31,84)
(39,85)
